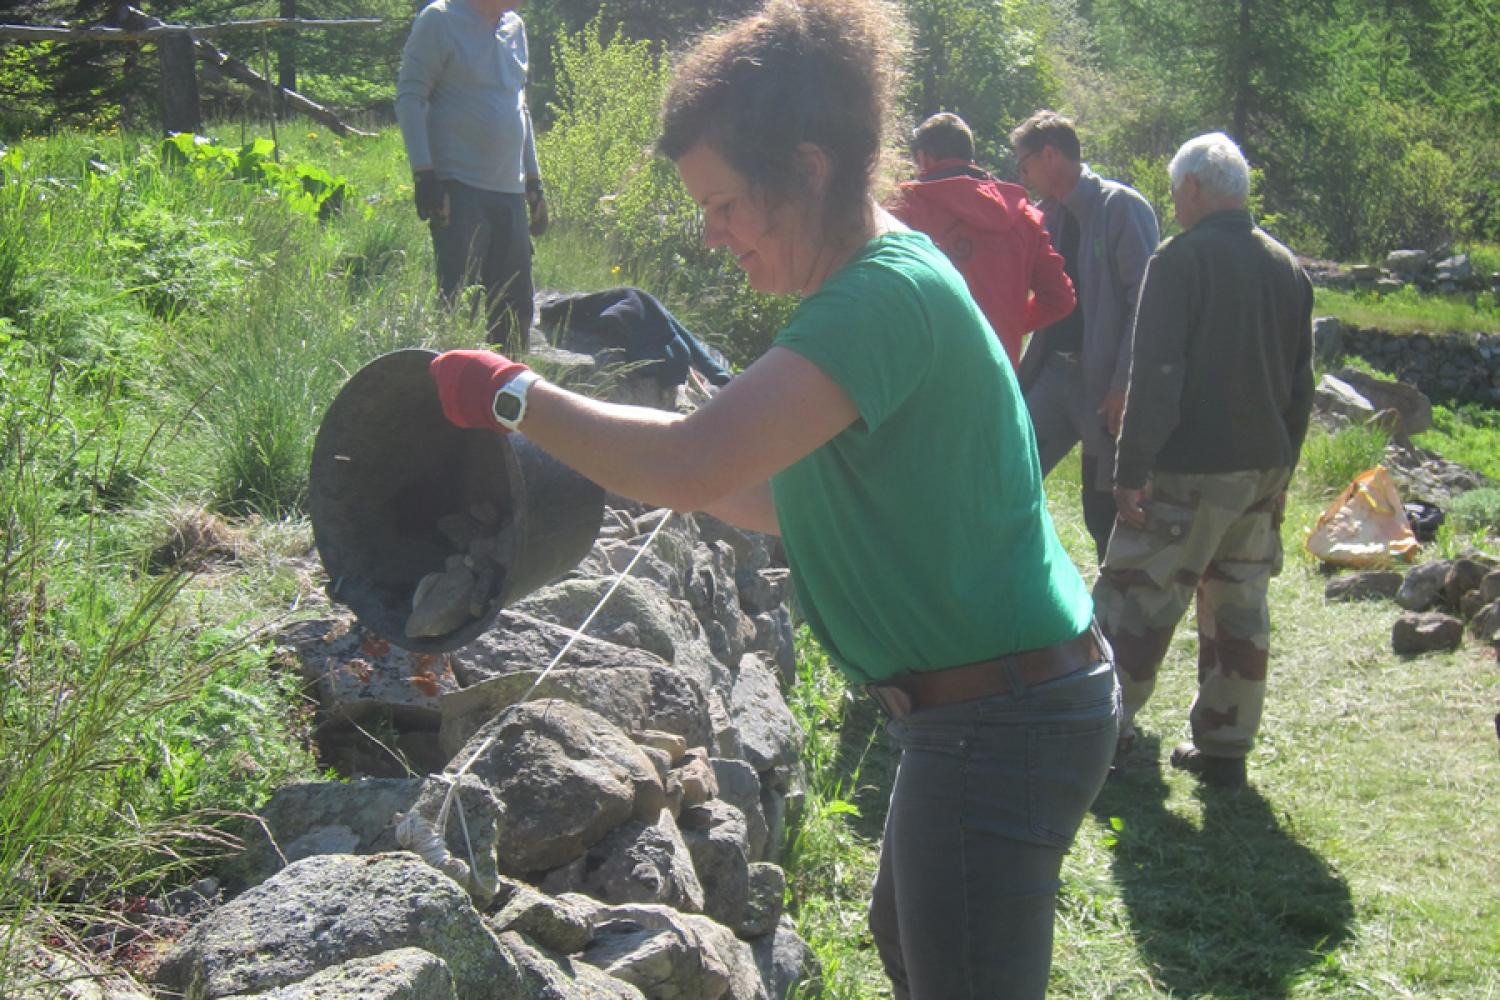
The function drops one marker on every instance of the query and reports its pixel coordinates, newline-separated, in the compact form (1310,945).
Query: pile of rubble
(1437,599)
(612,832)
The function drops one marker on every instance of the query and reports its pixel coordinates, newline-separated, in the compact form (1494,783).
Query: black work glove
(427,192)
(536,207)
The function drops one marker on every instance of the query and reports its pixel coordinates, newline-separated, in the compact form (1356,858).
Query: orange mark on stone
(360,668)
(374,647)
(426,682)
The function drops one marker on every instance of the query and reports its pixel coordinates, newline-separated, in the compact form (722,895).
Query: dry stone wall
(1449,368)
(609,830)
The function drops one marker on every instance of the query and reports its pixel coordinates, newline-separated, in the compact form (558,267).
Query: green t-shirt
(919,537)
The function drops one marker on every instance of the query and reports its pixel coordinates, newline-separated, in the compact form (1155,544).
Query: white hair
(1217,163)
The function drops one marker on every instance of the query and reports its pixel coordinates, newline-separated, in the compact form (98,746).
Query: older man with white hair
(1216,408)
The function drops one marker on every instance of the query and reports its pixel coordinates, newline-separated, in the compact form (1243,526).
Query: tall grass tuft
(86,659)
(830,851)
(1331,460)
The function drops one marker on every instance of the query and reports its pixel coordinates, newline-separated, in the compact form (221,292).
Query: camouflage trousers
(1216,537)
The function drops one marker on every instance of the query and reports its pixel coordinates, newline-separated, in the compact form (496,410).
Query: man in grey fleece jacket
(1073,372)
(461,104)
(1219,397)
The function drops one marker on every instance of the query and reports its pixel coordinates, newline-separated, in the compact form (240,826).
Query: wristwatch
(509,407)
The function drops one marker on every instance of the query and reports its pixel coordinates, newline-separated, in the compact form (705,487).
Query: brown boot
(1217,772)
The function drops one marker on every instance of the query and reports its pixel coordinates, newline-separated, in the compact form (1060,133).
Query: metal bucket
(387,467)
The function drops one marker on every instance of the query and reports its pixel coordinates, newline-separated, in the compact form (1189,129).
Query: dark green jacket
(1221,364)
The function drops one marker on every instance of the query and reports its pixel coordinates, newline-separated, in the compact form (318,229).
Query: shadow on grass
(1236,908)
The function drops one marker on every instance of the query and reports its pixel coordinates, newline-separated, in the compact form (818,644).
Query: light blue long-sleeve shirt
(461,98)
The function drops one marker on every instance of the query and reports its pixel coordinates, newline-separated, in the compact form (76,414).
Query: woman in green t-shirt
(884,439)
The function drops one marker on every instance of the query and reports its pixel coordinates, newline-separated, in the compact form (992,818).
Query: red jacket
(996,240)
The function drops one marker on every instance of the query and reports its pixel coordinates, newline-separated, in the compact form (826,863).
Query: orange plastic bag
(1366,526)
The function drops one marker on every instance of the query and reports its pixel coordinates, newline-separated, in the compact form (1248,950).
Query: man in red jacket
(988,229)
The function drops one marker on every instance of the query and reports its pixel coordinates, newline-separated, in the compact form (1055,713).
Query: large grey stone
(550,976)
(559,925)
(1456,268)
(674,956)
(726,734)
(1485,625)
(1409,401)
(716,838)
(1463,576)
(1369,585)
(501,665)
(1408,263)
(696,775)
(739,785)
(786,964)
(1422,587)
(358,676)
(1418,632)
(612,556)
(765,903)
(765,590)
(753,551)
(564,776)
(399,974)
(1489,587)
(1328,341)
(774,639)
(36,970)
(637,862)
(325,910)
(714,596)
(769,735)
(321,817)
(638,614)
(1334,395)
(619,694)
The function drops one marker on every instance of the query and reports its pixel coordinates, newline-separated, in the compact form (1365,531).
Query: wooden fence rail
(66,33)
(178,45)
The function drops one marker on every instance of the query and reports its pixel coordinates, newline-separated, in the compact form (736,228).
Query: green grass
(1468,435)
(1330,461)
(1410,311)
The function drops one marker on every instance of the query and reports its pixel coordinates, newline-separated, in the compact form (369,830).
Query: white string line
(427,839)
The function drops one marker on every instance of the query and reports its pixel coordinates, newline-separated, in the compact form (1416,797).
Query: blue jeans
(486,241)
(987,798)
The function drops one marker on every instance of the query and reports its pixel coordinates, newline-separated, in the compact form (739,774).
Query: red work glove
(467,382)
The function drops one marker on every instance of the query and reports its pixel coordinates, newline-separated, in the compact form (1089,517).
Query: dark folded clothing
(642,327)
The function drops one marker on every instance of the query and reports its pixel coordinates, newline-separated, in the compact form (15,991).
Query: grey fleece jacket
(461,98)
(1117,234)
(1222,376)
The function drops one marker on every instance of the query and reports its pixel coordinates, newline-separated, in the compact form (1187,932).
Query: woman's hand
(467,382)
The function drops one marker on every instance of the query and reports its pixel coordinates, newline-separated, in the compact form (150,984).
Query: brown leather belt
(900,696)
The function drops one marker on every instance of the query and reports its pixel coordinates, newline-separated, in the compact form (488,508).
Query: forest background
(1399,93)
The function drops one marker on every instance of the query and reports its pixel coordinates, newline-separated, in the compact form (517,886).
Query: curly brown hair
(824,72)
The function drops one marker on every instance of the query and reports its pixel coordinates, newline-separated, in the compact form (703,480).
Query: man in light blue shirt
(461,104)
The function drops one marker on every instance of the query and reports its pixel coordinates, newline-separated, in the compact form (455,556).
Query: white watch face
(509,406)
